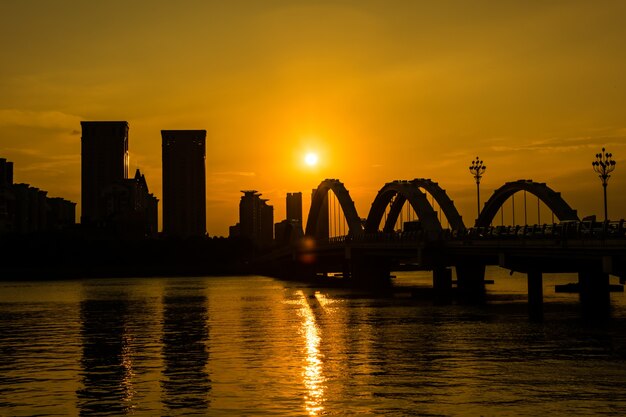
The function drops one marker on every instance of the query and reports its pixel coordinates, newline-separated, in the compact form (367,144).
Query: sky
(381,90)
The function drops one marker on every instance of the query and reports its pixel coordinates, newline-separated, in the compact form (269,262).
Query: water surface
(258,346)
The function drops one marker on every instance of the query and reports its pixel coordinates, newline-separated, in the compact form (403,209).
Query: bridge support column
(535,295)
(595,298)
(442,285)
(470,278)
(442,280)
(370,272)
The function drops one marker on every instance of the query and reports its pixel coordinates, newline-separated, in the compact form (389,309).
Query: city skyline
(380,93)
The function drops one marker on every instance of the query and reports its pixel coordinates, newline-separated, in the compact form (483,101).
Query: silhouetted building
(61,214)
(282,232)
(294,212)
(104,161)
(6,172)
(130,208)
(294,206)
(267,225)
(184,182)
(256,219)
(7,196)
(323,223)
(26,209)
(234,231)
(290,229)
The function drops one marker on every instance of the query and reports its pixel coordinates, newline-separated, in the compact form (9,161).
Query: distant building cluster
(256,221)
(288,230)
(26,209)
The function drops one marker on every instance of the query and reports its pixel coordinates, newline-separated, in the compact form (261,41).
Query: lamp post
(604,165)
(477,169)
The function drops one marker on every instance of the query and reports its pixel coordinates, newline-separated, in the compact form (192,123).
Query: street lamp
(604,165)
(477,169)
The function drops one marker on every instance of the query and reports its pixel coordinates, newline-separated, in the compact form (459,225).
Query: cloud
(234,174)
(55,120)
(565,144)
(32,160)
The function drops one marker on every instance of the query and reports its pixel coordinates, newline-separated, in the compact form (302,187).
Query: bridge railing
(561,231)
(391,237)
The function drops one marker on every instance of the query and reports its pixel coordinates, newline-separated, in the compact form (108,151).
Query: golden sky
(382,90)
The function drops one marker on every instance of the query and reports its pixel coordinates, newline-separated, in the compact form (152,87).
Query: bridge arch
(445,203)
(550,198)
(397,193)
(345,201)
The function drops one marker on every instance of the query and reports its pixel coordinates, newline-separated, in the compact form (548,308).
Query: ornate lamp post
(477,169)
(604,165)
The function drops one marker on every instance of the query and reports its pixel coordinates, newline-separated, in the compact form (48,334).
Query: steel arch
(347,205)
(406,191)
(445,203)
(551,198)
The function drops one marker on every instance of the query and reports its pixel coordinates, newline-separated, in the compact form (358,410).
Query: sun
(311,159)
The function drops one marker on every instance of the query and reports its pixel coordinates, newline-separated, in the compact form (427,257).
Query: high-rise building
(184,183)
(104,160)
(294,207)
(292,229)
(256,219)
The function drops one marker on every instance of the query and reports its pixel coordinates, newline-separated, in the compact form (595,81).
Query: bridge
(367,249)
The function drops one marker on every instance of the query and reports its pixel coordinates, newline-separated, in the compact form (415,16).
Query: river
(258,346)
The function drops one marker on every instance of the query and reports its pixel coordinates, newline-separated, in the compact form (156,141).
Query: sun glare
(311,159)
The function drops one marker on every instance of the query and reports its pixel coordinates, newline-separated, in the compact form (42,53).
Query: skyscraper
(294,207)
(184,182)
(294,213)
(104,160)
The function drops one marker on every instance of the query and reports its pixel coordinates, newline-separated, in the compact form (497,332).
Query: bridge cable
(513,205)
(525,218)
(334,214)
(538,211)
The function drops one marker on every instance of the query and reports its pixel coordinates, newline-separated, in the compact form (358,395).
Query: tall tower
(294,213)
(294,207)
(184,182)
(104,160)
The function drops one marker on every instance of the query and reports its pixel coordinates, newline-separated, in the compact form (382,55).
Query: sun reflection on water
(128,373)
(313,370)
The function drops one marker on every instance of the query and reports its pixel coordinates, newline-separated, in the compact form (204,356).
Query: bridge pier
(442,279)
(369,271)
(535,295)
(595,297)
(470,278)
